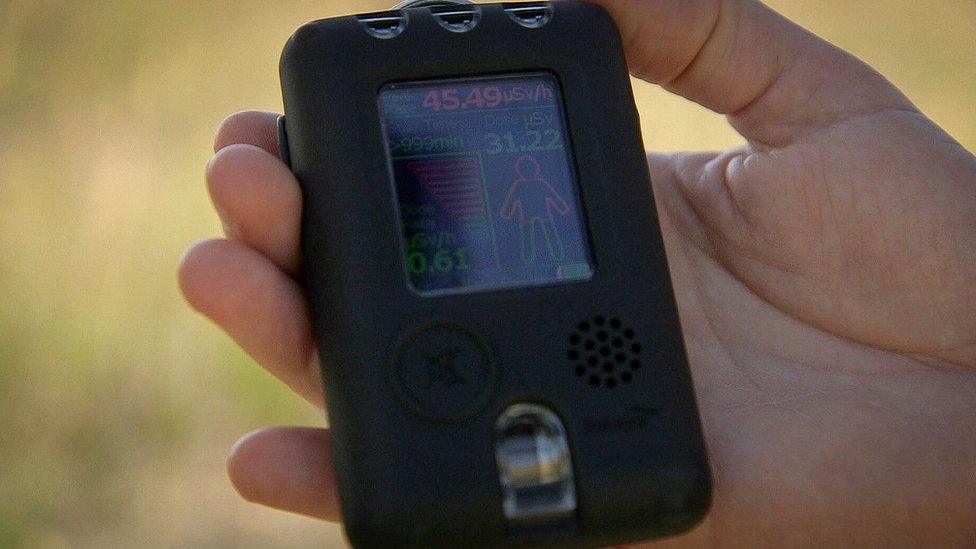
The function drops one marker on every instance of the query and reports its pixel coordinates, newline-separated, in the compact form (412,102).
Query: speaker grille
(603,352)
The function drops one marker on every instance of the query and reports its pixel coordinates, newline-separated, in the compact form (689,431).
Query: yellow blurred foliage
(118,403)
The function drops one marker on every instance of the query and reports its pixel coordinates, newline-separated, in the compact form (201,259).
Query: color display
(485,182)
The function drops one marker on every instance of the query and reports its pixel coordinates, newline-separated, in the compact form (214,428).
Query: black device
(503,360)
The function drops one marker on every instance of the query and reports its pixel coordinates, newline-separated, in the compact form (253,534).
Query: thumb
(775,80)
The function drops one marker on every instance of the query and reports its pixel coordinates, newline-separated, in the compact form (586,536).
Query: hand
(825,275)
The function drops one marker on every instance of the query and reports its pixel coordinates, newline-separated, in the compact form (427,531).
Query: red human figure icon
(534,204)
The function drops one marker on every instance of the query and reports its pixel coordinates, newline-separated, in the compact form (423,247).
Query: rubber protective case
(417,468)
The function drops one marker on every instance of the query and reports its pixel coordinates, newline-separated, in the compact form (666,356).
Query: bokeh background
(117,403)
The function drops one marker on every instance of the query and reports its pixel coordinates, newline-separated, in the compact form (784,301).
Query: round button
(443,372)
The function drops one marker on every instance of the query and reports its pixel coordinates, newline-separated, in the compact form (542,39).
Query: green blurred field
(117,403)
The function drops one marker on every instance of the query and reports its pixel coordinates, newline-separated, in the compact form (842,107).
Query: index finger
(258,128)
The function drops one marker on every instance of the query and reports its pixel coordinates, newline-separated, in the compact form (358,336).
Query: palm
(825,276)
(809,422)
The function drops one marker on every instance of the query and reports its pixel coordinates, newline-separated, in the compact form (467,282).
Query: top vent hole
(384,24)
(456,18)
(531,15)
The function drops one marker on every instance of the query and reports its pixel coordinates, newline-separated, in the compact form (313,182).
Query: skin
(825,274)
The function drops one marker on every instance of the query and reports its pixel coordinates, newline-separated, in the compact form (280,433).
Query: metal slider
(534,466)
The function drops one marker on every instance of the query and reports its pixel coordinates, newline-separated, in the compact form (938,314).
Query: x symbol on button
(441,368)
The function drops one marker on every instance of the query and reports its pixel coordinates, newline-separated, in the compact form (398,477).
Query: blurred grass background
(117,403)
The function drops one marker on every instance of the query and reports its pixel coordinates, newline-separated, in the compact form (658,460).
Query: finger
(258,128)
(287,468)
(258,305)
(258,201)
(739,57)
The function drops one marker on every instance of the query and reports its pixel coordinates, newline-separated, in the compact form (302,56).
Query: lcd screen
(485,183)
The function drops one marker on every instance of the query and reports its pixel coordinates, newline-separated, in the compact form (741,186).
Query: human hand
(825,275)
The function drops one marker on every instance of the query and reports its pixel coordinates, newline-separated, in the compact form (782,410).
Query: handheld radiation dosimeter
(503,359)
